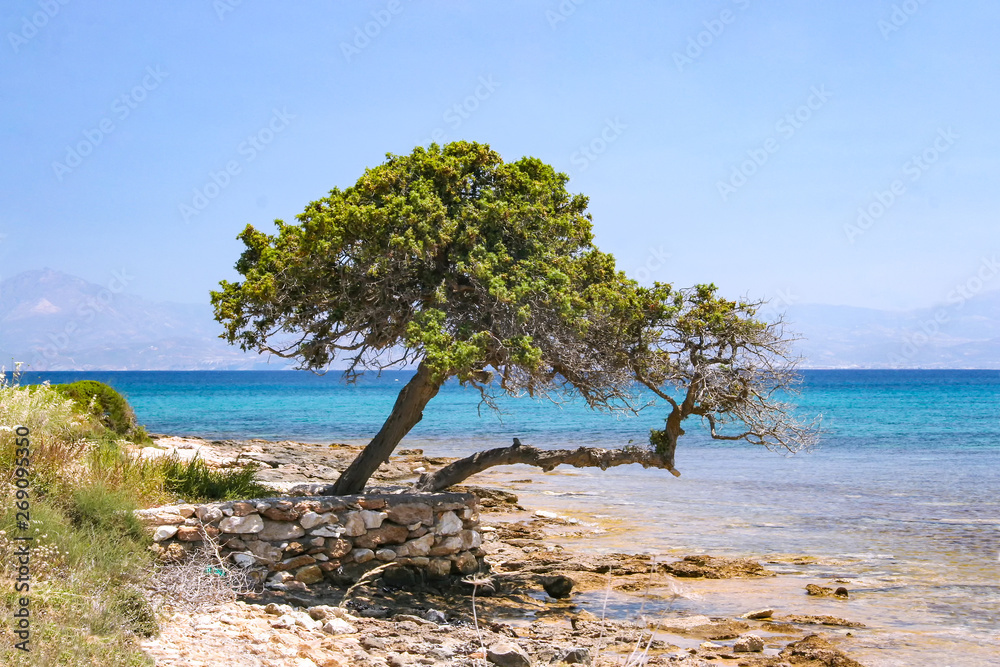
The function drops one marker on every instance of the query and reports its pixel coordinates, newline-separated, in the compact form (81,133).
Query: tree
(704,356)
(448,258)
(485,271)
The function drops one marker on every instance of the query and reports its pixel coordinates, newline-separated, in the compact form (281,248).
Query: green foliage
(87,558)
(98,509)
(448,254)
(130,610)
(107,405)
(88,549)
(195,481)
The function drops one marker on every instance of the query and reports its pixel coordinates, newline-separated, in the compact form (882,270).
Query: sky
(822,152)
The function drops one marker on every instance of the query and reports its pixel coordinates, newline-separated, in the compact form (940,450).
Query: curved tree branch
(581,457)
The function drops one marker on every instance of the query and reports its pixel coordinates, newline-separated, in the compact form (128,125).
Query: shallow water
(925,595)
(902,498)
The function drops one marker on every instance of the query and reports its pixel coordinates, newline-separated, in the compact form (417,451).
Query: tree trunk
(581,457)
(406,413)
(673,432)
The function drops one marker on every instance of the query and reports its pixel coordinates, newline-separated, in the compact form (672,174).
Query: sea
(899,502)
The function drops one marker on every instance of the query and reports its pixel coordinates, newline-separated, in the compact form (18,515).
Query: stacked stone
(317,537)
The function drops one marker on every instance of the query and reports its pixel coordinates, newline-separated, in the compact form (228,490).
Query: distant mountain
(964,333)
(55,321)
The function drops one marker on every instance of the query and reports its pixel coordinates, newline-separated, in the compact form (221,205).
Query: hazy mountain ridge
(55,321)
(958,334)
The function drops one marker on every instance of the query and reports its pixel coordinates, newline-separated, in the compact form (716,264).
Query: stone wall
(316,538)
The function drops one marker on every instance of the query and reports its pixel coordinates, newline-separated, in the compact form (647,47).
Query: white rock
(284,621)
(471,539)
(304,620)
(418,547)
(354,525)
(208,514)
(312,519)
(252,523)
(338,626)
(329,531)
(448,524)
(546,514)
(748,644)
(372,519)
(164,533)
(243,559)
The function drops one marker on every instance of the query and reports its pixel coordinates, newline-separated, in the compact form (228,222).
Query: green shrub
(107,405)
(129,610)
(195,481)
(104,511)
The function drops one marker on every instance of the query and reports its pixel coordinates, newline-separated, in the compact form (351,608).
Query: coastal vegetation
(89,559)
(464,266)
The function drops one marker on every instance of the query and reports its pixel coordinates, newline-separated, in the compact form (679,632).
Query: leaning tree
(468,267)
(449,259)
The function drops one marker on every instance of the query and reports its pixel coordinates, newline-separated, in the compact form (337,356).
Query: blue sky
(732,141)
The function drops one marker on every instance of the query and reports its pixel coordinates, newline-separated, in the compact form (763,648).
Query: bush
(102,510)
(195,481)
(107,405)
(132,611)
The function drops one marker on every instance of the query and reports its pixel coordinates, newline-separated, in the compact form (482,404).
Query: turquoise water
(901,498)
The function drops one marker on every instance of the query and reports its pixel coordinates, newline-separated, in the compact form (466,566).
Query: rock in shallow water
(749,644)
(825,592)
(715,567)
(558,586)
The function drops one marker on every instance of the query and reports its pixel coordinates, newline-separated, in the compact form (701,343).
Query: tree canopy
(466,266)
(449,258)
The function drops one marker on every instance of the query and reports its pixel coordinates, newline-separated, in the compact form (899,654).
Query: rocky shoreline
(539,603)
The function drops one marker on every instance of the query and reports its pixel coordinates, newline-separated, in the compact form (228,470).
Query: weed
(196,481)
